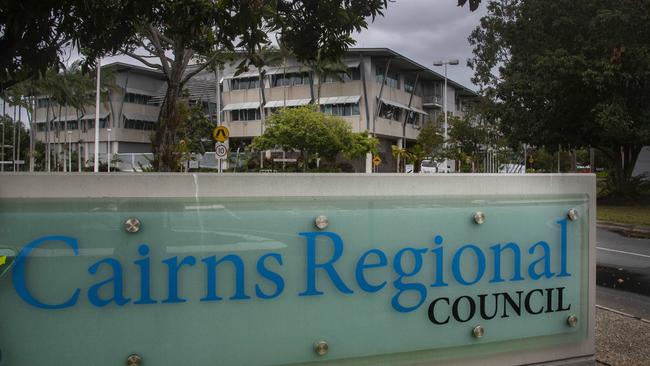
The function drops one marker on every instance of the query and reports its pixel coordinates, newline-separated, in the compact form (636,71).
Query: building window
(73,125)
(347,109)
(392,78)
(245,83)
(390,112)
(351,75)
(415,118)
(246,115)
(137,98)
(409,85)
(90,123)
(43,102)
(289,79)
(136,124)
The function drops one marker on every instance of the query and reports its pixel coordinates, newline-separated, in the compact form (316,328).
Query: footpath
(621,339)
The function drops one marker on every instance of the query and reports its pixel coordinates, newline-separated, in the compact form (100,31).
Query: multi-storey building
(384,93)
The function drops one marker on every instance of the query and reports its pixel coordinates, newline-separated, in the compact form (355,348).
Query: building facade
(382,92)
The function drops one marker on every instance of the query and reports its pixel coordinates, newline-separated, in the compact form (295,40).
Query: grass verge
(635,215)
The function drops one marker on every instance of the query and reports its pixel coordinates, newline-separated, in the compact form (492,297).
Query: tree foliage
(430,140)
(312,133)
(574,73)
(473,4)
(36,33)
(203,32)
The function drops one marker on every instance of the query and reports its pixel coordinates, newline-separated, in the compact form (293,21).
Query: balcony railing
(432,99)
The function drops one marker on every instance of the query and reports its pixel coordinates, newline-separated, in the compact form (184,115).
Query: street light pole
(69,136)
(2,161)
(444,104)
(99,67)
(108,150)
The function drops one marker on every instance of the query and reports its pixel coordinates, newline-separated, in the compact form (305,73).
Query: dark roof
(402,61)
(407,64)
(122,66)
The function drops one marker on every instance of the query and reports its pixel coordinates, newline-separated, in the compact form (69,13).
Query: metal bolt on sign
(321,348)
(478,331)
(134,360)
(479,217)
(572,320)
(573,214)
(321,222)
(132,225)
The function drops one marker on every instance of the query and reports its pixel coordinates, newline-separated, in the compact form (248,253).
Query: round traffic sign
(220,150)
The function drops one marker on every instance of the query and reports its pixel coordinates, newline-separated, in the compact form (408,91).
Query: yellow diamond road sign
(220,134)
(376,160)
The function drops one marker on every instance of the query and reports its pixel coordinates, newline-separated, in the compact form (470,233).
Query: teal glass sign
(259,281)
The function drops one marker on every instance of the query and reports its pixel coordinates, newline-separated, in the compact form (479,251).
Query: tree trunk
(311,86)
(166,159)
(623,160)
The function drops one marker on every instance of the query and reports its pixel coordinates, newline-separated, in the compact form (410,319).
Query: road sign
(376,160)
(220,134)
(220,150)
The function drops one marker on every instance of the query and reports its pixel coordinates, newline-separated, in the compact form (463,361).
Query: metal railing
(432,99)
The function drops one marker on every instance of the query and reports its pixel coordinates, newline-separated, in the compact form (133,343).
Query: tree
(473,4)
(312,133)
(467,139)
(322,67)
(430,140)
(570,72)
(201,31)
(16,136)
(403,155)
(36,33)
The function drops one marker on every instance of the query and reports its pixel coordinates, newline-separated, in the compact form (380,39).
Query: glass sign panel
(256,282)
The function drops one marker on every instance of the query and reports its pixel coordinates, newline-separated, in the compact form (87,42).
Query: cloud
(426,30)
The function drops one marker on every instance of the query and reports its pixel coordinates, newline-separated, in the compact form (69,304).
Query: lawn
(638,215)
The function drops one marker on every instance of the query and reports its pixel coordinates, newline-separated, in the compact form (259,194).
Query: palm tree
(403,155)
(320,69)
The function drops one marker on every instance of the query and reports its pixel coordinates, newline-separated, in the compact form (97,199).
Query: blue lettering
(480,268)
(211,265)
(269,275)
(362,265)
(116,279)
(563,252)
(419,288)
(312,266)
(173,267)
(438,251)
(546,258)
(18,273)
(516,252)
(145,276)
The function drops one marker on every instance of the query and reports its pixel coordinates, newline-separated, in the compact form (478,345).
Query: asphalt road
(623,273)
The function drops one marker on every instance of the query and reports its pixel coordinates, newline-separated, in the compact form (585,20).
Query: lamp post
(444,105)
(69,137)
(2,160)
(97,96)
(108,150)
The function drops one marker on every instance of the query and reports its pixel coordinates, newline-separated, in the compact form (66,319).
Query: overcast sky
(426,30)
(422,30)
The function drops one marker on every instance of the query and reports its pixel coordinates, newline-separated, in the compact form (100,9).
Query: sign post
(221,134)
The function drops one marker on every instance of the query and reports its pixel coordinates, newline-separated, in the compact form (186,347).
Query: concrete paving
(621,340)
